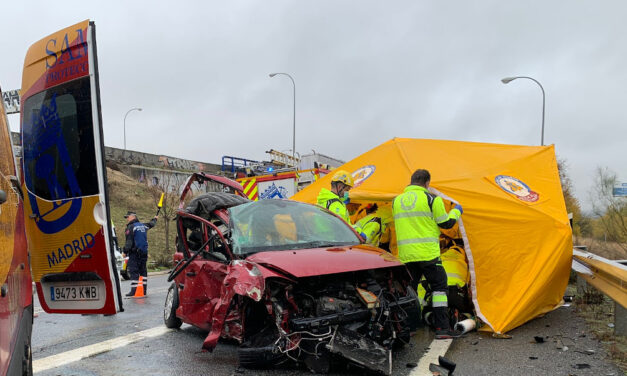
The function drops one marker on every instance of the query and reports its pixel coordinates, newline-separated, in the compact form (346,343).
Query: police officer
(136,247)
(418,215)
(336,199)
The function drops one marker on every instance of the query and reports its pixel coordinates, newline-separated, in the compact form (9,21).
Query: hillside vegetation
(126,194)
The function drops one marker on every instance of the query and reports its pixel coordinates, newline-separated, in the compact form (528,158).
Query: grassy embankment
(125,194)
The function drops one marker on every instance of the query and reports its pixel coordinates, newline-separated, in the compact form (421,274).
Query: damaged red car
(289,281)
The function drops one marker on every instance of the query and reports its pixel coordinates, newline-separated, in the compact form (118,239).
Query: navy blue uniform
(136,247)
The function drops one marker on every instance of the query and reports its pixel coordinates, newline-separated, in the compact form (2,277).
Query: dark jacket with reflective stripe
(136,239)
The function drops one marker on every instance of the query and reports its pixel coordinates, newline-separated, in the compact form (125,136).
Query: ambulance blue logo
(44,148)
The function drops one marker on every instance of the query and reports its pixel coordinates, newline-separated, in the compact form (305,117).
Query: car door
(200,284)
(64,175)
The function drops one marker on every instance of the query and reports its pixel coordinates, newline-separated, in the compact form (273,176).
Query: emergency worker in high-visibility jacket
(375,223)
(418,216)
(336,199)
(456,267)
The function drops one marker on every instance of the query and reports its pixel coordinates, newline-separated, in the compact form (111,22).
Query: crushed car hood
(320,261)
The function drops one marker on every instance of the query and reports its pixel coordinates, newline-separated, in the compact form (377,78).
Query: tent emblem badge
(360,175)
(516,187)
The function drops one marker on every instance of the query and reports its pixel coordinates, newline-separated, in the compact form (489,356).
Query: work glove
(363,235)
(459,207)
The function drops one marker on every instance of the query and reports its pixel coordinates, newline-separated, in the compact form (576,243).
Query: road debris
(437,370)
(587,352)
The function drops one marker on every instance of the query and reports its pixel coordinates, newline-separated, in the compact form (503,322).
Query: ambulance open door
(64,177)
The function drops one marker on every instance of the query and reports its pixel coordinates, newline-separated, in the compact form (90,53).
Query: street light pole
(294,114)
(507,80)
(127,112)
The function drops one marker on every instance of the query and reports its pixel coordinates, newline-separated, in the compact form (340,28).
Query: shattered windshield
(276,225)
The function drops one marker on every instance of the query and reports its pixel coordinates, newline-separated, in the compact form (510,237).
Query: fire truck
(54,214)
(279,185)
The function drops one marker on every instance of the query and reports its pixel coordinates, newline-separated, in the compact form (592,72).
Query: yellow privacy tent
(515,227)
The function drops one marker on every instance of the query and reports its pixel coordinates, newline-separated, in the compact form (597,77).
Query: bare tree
(168,183)
(612,211)
(572,204)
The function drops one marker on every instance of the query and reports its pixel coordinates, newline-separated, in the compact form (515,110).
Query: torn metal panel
(201,177)
(361,350)
(246,279)
(242,278)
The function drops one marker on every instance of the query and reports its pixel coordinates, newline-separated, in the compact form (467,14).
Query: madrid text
(75,247)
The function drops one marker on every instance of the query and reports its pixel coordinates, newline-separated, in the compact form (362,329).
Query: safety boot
(132,293)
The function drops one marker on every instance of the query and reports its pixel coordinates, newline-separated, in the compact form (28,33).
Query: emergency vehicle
(54,217)
(279,185)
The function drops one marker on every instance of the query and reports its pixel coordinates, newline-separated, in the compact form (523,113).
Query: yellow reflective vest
(416,224)
(454,262)
(331,201)
(371,226)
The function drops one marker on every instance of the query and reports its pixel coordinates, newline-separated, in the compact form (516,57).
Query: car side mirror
(3,197)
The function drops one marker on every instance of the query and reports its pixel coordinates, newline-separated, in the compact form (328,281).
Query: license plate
(73,293)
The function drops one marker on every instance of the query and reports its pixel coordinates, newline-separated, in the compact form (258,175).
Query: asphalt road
(98,345)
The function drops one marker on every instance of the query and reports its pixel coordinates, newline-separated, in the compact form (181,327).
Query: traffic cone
(139,291)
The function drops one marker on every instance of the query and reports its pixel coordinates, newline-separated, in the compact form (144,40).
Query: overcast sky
(365,72)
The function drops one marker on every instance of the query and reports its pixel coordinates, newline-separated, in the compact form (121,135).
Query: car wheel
(124,274)
(169,310)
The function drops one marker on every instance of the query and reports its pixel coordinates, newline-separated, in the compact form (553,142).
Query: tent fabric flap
(516,230)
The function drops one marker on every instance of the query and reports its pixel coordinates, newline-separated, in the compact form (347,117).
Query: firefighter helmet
(343,177)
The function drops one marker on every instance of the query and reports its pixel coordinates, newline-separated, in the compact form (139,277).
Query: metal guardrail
(608,276)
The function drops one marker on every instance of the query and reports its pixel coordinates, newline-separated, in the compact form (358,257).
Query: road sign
(620,190)
(11,101)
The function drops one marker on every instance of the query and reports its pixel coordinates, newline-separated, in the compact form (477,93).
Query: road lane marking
(438,347)
(75,355)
